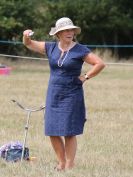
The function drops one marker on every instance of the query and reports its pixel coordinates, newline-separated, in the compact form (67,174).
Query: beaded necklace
(61,60)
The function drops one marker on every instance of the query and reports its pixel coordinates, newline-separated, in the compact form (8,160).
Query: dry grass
(105,149)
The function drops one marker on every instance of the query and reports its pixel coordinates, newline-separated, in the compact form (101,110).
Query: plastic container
(5,70)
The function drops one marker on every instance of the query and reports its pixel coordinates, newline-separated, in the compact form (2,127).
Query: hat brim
(54,31)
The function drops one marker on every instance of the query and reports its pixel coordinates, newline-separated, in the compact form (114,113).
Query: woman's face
(66,35)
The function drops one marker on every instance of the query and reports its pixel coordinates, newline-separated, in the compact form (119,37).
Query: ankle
(69,164)
(62,163)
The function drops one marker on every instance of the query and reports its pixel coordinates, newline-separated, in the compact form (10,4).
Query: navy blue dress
(65,108)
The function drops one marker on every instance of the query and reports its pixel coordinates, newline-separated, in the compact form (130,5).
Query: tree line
(107,22)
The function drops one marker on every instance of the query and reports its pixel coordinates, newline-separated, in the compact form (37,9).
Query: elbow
(102,65)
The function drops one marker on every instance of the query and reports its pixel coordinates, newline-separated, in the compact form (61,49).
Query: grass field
(106,147)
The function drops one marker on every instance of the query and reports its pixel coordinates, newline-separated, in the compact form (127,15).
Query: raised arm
(37,46)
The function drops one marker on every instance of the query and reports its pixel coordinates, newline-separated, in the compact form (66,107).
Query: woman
(65,109)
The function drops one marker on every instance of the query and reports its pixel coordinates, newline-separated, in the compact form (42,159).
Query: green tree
(16,16)
(102,21)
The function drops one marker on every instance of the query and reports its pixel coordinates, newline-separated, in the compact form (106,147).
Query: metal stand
(28,110)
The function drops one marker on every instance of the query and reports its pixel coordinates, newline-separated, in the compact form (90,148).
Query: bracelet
(86,77)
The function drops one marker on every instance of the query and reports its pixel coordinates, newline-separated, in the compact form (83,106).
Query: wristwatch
(86,77)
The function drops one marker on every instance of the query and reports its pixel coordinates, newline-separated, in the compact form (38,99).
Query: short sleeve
(82,51)
(49,47)
(86,50)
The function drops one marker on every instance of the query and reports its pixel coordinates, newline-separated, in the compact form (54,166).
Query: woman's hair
(75,38)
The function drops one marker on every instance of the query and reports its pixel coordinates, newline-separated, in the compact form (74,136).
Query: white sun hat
(63,24)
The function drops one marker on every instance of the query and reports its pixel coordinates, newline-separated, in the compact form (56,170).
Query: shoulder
(79,51)
(50,44)
(83,47)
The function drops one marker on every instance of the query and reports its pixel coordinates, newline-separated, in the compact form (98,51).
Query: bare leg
(58,146)
(70,149)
